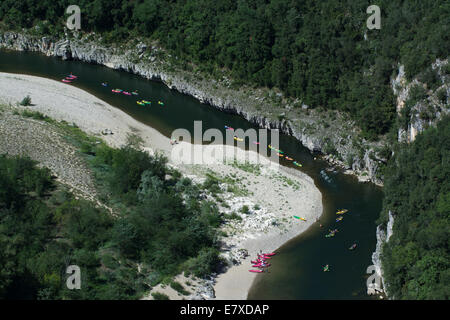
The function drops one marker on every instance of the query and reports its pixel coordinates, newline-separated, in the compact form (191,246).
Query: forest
(318,51)
(160,226)
(416,260)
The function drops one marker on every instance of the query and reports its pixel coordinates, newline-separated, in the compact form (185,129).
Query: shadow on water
(296,271)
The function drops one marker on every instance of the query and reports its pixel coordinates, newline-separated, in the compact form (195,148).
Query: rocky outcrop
(421,114)
(334,136)
(427,111)
(378,287)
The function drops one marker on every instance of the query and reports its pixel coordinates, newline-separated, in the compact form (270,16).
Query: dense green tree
(417,191)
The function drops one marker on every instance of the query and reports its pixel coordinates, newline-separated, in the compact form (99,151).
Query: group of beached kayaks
(332,233)
(261,262)
(69,79)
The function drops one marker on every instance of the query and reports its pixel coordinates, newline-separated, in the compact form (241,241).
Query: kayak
(135,93)
(72,76)
(104,84)
(270,254)
(258,271)
(160,103)
(326,268)
(140,103)
(66,81)
(238,139)
(352,247)
(117,90)
(280,155)
(297,164)
(127,93)
(277,150)
(146,101)
(342,211)
(287,158)
(264,265)
(339,218)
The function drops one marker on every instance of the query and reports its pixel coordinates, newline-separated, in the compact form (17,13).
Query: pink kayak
(66,81)
(127,93)
(261,264)
(72,77)
(258,271)
(270,254)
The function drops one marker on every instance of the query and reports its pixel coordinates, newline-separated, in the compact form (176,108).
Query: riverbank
(271,194)
(329,132)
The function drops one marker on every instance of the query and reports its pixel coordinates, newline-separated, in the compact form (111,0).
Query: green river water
(296,271)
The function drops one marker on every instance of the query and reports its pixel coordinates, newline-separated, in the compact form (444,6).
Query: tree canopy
(416,258)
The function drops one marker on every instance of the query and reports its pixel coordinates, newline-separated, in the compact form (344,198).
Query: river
(296,271)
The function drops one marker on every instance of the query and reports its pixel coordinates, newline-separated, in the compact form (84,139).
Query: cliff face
(383,236)
(422,112)
(328,132)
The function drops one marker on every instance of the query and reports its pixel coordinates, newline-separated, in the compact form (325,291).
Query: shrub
(179,288)
(212,184)
(245,209)
(26,101)
(160,296)
(442,95)
(204,264)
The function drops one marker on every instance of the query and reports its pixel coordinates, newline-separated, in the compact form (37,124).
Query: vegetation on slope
(160,226)
(416,260)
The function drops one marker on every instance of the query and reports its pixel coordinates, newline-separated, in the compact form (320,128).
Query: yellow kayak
(342,211)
